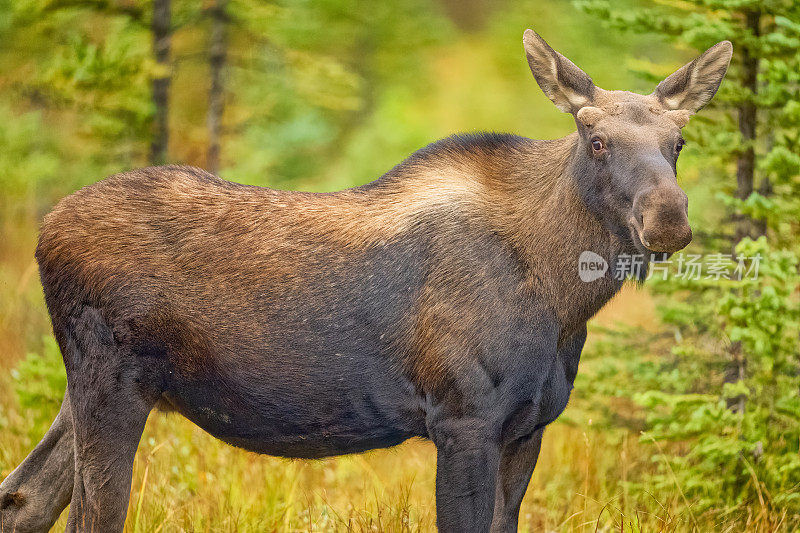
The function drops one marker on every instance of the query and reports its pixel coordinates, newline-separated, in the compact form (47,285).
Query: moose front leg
(517,461)
(468,455)
(519,455)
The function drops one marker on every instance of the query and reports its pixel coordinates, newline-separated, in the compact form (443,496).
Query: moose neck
(554,226)
(527,192)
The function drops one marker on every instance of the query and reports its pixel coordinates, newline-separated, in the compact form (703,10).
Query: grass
(184,480)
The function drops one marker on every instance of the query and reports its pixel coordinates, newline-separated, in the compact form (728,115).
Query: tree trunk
(735,372)
(745,180)
(161,82)
(216,94)
(765,188)
(748,118)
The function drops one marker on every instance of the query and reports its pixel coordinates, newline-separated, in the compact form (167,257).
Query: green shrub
(39,381)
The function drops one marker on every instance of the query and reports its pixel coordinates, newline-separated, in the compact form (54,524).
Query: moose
(440,301)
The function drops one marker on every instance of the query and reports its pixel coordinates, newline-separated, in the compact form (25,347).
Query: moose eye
(679,146)
(597,145)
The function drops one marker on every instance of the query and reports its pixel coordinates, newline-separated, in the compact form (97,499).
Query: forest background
(686,411)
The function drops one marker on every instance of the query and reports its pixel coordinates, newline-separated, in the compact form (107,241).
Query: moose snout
(660,217)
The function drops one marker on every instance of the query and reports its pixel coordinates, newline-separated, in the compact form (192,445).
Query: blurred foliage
(39,383)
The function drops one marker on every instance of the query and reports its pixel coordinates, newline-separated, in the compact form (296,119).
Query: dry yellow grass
(185,480)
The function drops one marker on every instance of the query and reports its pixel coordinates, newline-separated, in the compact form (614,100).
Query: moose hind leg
(34,494)
(110,405)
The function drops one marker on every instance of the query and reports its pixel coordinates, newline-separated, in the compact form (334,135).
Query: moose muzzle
(660,218)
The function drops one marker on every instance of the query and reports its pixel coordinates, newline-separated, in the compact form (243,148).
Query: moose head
(629,143)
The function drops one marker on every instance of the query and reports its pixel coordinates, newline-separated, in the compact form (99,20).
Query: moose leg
(34,494)
(467,460)
(108,426)
(109,410)
(517,461)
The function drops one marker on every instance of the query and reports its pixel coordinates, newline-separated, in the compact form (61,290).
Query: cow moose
(440,301)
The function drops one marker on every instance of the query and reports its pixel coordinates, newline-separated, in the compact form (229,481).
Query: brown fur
(186,228)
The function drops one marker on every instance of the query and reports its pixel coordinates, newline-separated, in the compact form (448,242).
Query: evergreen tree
(729,388)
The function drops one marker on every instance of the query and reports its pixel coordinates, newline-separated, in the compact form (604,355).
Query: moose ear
(566,85)
(693,85)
